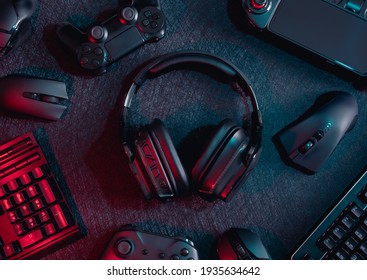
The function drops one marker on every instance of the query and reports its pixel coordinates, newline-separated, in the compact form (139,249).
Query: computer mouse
(309,141)
(37,97)
(241,244)
(15,23)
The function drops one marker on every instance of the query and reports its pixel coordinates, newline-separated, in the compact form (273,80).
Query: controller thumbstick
(123,248)
(97,33)
(259,4)
(129,15)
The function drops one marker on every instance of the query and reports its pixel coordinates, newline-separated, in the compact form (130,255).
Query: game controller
(106,42)
(131,243)
(15,23)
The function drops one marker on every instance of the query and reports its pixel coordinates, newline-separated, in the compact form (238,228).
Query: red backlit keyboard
(34,214)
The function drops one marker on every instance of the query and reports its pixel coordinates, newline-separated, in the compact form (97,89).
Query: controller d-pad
(151,20)
(91,56)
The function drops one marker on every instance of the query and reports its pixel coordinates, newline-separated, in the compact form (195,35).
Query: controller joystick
(259,12)
(131,243)
(106,42)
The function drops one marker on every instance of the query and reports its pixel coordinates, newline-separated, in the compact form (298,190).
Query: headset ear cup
(221,167)
(160,163)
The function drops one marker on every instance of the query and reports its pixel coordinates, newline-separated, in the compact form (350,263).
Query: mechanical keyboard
(35,213)
(342,232)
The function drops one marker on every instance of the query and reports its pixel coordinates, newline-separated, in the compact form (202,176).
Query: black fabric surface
(277,202)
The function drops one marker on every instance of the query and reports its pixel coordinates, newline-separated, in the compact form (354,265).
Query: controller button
(162,255)
(184,252)
(175,257)
(146,22)
(148,14)
(354,5)
(86,49)
(97,32)
(259,4)
(156,16)
(145,252)
(154,25)
(98,51)
(128,14)
(84,60)
(124,247)
(96,63)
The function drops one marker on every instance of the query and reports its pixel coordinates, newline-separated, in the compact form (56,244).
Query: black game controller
(15,23)
(104,43)
(131,243)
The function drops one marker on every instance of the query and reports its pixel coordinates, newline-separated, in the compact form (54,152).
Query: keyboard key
(31,223)
(49,229)
(13,217)
(7,204)
(2,192)
(338,232)
(25,210)
(10,249)
(351,244)
(363,195)
(31,238)
(25,179)
(44,216)
(347,222)
(37,204)
(341,254)
(18,228)
(329,243)
(357,211)
(31,191)
(356,256)
(47,191)
(59,216)
(363,248)
(37,173)
(12,186)
(18,198)
(360,233)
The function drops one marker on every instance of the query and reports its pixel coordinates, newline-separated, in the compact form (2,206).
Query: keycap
(356,256)
(18,228)
(2,192)
(47,191)
(31,238)
(37,204)
(351,244)
(342,254)
(59,216)
(25,179)
(31,223)
(363,248)
(12,216)
(25,210)
(18,198)
(347,222)
(7,204)
(329,243)
(37,172)
(44,216)
(12,185)
(10,249)
(31,191)
(339,232)
(360,233)
(357,211)
(49,229)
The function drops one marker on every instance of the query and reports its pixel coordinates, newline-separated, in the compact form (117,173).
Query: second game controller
(131,243)
(15,23)
(104,43)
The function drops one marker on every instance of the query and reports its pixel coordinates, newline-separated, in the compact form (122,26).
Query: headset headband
(221,69)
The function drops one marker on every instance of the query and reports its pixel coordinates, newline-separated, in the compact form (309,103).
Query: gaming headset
(228,157)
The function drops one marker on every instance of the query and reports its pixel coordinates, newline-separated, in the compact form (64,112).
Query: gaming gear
(227,159)
(241,244)
(104,43)
(131,243)
(37,212)
(308,142)
(331,29)
(15,23)
(341,232)
(37,97)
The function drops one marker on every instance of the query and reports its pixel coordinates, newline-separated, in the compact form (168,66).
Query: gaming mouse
(41,98)
(309,141)
(241,244)
(15,23)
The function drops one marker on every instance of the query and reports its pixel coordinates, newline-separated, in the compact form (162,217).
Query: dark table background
(277,202)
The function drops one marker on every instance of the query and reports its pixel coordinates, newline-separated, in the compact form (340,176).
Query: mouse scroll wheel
(242,252)
(49,99)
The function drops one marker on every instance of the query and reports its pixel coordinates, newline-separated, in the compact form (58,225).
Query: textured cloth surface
(277,202)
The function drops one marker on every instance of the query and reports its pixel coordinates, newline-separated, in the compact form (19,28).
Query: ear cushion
(160,159)
(221,168)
